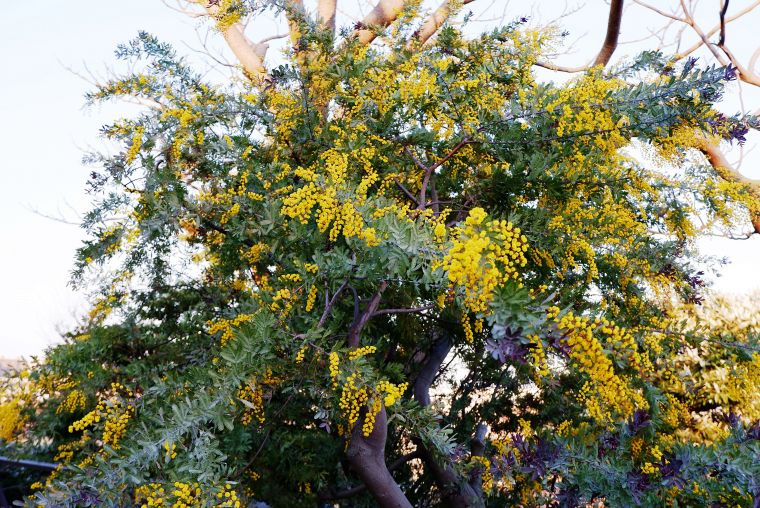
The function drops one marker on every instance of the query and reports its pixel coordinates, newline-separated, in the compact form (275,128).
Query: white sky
(44,133)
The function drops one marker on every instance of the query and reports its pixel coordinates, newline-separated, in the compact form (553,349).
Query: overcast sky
(45,132)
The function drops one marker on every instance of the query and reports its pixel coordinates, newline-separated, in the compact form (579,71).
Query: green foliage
(281,265)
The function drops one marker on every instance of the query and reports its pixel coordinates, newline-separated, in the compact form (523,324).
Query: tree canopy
(408,274)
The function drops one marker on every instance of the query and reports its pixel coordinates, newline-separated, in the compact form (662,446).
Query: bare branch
(407,310)
(384,13)
(354,335)
(429,170)
(660,11)
(613,33)
(723,10)
(329,304)
(714,29)
(250,55)
(744,74)
(608,46)
(326,13)
(435,21)
(689,20)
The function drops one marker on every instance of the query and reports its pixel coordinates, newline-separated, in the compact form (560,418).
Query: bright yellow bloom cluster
(114,411)
(253,399)
(300,355)
(10,419)
(184,495)
(334,368)
(228,498)
(484,254)
(352,399)
(328,184)
(227,326)
(607,396)
(392,392)
(580,112)
(137,139)
(362,351)
(486,475)
(170,450)
(311,298)
(75,400)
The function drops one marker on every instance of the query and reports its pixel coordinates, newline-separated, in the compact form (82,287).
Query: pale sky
(45,132)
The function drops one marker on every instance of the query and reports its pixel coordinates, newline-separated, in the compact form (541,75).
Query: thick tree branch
(366,454)
(608,46)
(435,21)
(613,33)
(326,14)
(355,491)
(384,13)
(477,449)
(726,171)
(249,55)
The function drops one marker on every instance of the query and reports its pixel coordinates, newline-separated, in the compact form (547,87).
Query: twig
(402,311)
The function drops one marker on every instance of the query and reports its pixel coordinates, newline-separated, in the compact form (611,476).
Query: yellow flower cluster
(254,254)
(300,355)
(392,392)
(486,475)
(362,351)
(75,400)
(185,495)
(484,254)
(352,399)
(311,298)
(137,137)
(10,420)
(114,411)
(170,450)
(254,403)
(227,326)
(355,397)
(606,395)
(334,368)
(327,182)
(580,112)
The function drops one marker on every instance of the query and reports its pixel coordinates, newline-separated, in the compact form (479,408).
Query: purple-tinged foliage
(638,421)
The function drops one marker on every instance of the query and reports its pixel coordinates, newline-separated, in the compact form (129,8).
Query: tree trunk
(367,458)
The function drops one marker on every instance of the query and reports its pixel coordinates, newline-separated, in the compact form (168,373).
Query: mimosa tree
(407,274)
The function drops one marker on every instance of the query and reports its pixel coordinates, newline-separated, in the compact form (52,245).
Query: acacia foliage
(401,275)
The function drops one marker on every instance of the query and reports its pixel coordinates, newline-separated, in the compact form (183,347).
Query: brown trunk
(367,458)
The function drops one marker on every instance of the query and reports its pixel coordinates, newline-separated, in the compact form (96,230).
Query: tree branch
(402,310)
(724,169)
(613,33)
(250,55)
(354,335)
(608,46)
(326,14)
(434,22)
(429,170)
(384,13)
(358,489)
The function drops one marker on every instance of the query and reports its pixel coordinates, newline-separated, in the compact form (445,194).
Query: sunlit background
(53,51)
